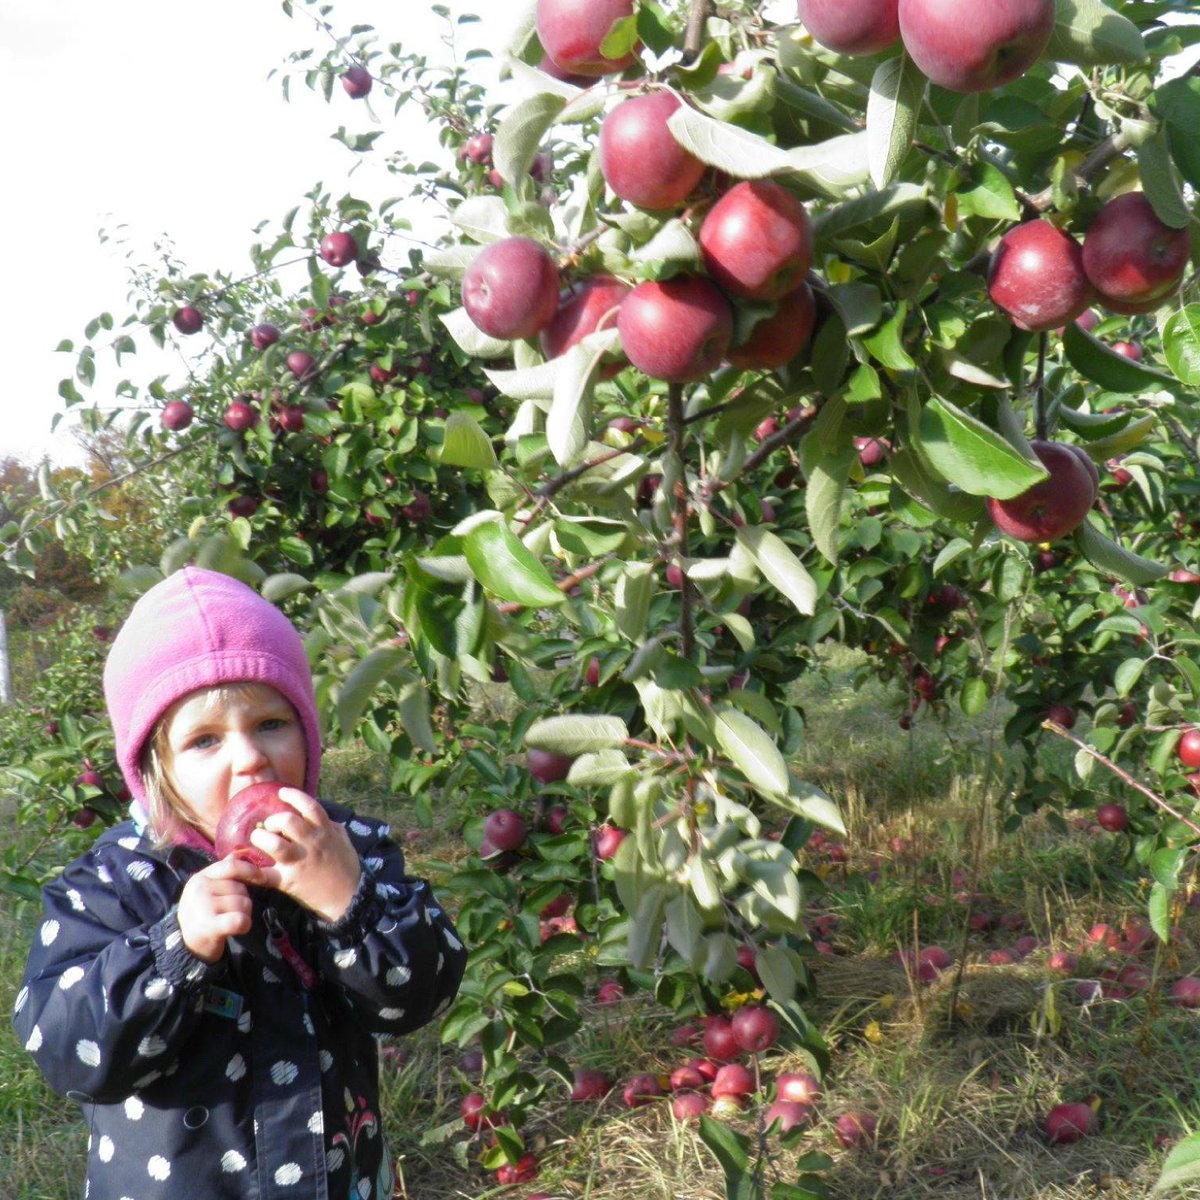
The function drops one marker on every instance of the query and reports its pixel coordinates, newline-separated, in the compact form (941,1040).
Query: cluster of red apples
(756,241)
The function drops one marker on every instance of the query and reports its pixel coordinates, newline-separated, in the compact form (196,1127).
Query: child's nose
(246,752)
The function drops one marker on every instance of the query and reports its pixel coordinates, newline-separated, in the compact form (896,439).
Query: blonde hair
(168,813)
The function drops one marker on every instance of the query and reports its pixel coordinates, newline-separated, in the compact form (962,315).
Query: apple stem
(1042,423)
(1122,774)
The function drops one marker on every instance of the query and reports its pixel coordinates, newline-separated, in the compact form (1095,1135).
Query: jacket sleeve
(110,995)
(394,956)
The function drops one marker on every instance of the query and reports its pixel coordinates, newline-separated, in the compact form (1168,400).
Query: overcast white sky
(160,117)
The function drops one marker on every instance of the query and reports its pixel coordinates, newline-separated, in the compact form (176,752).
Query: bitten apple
(245,812)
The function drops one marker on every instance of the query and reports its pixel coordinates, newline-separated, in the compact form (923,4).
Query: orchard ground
(960,1098)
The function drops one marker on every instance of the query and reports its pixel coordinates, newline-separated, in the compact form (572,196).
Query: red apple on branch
(240,416)
(1036,276)
(339,248)
(851,26)
(264,335)
(547,767)
(572,32)
(777,339)
(357,81)
(188,319)
(677,330)
(583,308)
(757,241)
(639,157)
(176,415)
(975,45)
(510,290)
(1131,257)
(1052,508)
(505,829)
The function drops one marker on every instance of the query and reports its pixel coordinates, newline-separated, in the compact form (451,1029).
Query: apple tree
(751,326)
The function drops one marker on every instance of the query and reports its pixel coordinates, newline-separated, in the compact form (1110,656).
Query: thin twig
(677,435)
(1123,775)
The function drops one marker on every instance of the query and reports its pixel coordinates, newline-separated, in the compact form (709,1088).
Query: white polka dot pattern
(236,1068)
(70,977)
(232,1162)
(159,1168)
(134,1108)
(87,1052)
(288,1174)
(283,1073)
(49,932)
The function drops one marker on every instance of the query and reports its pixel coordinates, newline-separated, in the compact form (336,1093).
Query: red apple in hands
(851,26)
(510,290)
(757,241)
(1036,276)
(677,330)
(1052,508)
(244,813)
(975,45)
(639,157)
(572,32)
(1131,257)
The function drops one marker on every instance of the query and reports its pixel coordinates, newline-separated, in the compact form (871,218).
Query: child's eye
(202,741)
(273,723)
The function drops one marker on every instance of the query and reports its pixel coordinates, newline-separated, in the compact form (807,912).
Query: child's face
(216,750)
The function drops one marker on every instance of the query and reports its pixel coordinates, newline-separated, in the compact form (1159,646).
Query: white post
(5,675)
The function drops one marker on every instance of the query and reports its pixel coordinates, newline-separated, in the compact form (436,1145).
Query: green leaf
(777,970)
(577,734)
(482,218)
(1160,182)
(1177,105)
(988,193)
(569,420)
(645,928)
(974,696)
(1159,912)
(808,801)
(898,198)
(685,928)
(887,343)
(631,598)
(732,1150)
(827,475)
(1090,34)
(471,339)
(1116,560)
(1165,866)
(1181,1167)
(465,444)
(412,705)
(729,148)
(972,456)
(1127,674)
(360,685)
(1112,371)
(780,567)
(506,567)
(897,88)
(752,750)
(520,134)
(1181,344)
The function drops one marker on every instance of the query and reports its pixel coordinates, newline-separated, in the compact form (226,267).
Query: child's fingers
(303,803)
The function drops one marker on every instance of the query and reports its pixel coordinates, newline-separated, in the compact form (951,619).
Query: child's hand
(315,861)
(215,905)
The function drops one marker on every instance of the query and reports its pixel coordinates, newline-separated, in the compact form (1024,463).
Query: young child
(215,1019)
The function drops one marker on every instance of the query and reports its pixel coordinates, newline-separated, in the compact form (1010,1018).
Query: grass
(960,1071)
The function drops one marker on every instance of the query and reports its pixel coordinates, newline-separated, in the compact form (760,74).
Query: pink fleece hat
(193,630)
